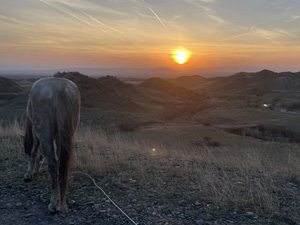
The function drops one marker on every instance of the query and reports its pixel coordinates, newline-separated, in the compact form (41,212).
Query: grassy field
(258,178)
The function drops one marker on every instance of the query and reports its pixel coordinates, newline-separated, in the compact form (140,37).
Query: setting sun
(181,56)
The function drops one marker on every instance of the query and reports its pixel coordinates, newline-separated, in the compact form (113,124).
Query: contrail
(73,15)
(157,17)
(162,23)
(233,37)
(95,26)
(100,23)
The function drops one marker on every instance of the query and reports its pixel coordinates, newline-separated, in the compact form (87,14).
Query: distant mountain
(8,86)
(96,72)
(162,72)
(171,89)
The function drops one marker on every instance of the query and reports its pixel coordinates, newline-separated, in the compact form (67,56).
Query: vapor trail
(100,23)
(162,23)
(73,15)
(233,37)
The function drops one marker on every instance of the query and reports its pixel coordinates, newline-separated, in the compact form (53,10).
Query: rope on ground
(107,196)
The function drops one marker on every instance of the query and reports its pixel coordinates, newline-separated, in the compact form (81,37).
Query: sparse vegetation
(291,106)
(260,181)
(165,159)
(267,133)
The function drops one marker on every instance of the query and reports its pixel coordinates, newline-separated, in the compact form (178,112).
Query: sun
(181,56)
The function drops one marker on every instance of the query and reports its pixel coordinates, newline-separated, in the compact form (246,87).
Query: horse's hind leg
(33,160)
(38,163)
(49,153)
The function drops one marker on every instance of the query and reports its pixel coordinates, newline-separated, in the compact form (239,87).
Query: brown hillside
(189,82)
(108,92)
(261,81)
(171,89)
(8,86)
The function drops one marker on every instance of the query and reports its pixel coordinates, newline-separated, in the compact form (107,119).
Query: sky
(48,34)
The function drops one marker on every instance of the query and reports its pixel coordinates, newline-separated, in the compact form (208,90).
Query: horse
(52,115)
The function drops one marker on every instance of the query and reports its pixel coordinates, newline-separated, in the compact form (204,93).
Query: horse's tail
(66,125)
(28,138)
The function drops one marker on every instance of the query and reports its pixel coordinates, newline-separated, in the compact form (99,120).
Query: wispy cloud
(208,11)
(96,7)
(208,0)
(273,35)
(293,18)
(235,37)
(101,23)
(88,20)
(14,20)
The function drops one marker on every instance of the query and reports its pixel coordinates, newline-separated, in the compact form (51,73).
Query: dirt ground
(171,201)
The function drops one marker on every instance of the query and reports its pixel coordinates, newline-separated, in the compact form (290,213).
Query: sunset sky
(46,34)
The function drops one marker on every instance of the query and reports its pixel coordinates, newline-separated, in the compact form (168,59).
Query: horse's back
(48,89)
(50,97)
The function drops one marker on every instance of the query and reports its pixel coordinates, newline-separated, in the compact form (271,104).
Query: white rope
(108,197)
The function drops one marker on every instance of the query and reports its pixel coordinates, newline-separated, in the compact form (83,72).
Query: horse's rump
(53,114)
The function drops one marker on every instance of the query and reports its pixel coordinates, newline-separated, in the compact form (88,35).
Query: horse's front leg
(49,153)
(33,160)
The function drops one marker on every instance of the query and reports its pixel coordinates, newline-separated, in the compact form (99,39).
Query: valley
(186,150)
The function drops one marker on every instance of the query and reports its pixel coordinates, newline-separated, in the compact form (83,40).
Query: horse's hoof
(52,208)
(64,209)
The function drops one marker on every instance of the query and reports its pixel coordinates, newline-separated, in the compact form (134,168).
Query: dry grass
(252,179)
(11,150)
(225,177)
(11,130)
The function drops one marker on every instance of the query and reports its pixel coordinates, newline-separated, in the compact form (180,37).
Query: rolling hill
(9,86)
(243,82)
(172,89)
(107,93)
(189,81)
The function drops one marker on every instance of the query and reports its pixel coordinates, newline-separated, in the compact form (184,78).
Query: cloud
(81,16)
(14,20)
(90,6)
(101,23)
(293,18)
(208,11)
(273,35)
(235,37)
(208,0)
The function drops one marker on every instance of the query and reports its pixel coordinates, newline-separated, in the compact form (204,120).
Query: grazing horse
(52,115)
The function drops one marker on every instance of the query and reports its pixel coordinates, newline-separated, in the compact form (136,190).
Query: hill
(189,81)
(8,86)
(171,89)
(258,82)
(108,92)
